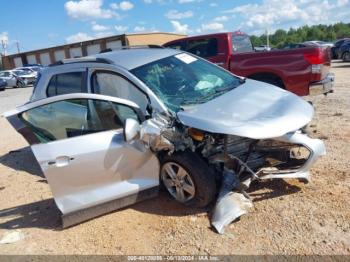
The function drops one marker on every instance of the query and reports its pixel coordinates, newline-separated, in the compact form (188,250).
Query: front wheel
(188,179)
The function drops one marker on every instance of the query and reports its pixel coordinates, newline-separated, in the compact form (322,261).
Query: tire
(191,175)
(346,56)
(20,84)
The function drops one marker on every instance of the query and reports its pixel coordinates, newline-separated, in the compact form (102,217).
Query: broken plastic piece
(230,205)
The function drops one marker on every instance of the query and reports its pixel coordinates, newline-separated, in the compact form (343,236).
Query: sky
(44,23)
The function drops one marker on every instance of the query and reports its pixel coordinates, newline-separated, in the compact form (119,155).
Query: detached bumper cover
(322,87)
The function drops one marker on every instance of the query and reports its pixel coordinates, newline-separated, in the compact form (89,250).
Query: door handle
(61,161)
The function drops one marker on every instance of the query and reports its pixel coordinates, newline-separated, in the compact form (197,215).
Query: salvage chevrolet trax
(108,129)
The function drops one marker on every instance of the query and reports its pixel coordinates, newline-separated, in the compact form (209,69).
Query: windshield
(185,80)
(26,70)
(19,72)
(36,69)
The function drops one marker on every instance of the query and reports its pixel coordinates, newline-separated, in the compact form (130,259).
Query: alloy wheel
(178,182)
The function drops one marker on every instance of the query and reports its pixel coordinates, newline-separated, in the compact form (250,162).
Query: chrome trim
(323,87)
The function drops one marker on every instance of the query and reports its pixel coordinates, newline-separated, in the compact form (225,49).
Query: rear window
(178,45)
(203,47)
(241,44)
(65,84)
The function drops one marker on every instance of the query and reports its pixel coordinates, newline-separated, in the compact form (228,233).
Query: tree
(305,33)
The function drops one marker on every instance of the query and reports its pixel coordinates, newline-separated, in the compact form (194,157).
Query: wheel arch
(268,77)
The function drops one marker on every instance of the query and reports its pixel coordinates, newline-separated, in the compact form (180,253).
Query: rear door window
(241,44)
(181,45)
(66,83)
(111,84)
(203,47)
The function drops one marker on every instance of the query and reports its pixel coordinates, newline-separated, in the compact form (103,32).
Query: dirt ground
(288,217)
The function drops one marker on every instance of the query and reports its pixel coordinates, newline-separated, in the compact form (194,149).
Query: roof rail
(82,60)
(131,47)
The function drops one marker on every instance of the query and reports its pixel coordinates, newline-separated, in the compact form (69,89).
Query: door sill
(80,216)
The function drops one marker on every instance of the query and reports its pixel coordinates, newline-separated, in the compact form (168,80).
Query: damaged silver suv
(108,129)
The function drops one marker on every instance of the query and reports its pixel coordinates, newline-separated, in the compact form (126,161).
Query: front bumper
(316,148)
(324,86)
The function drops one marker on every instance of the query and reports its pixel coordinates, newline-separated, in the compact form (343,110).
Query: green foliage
(326,33)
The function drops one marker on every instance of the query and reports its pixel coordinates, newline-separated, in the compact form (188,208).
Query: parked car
(12,79)
(319,43)
(29,70)
(34,67)
(262,48)
(3,84)
(29,76)
(303,71)
(344,51)
(293,46)
(336,46)
(106,129)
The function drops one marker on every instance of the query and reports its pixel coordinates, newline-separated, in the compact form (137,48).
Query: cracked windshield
(183,79)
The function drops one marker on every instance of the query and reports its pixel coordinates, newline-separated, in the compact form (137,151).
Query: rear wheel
(188,179)
(346,56)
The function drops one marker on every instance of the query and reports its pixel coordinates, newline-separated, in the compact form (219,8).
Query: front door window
(75,117)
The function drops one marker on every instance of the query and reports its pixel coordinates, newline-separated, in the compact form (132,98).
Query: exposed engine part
(151,134)
(160,134)
(239,147)
(256,154)
(230,205)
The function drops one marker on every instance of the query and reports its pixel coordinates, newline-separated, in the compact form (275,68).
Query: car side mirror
(131,130)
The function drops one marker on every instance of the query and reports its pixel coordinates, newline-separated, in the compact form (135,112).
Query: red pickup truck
(303,71)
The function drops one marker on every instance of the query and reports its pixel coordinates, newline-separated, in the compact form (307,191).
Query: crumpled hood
(254,109)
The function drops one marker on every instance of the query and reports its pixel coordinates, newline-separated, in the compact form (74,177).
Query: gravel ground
(288,217)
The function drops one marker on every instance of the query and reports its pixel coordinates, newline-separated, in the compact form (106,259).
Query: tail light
(316,60)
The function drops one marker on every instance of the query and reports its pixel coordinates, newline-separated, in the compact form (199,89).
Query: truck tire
(188,179)
(346,56)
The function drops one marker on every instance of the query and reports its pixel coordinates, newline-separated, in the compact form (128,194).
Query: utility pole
(17,44)
(267,39)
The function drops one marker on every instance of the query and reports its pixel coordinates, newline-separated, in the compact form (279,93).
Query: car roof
(132,58)
(127,58)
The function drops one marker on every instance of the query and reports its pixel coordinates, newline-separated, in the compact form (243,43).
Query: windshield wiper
(242,80)
(208,96)
(224,90)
